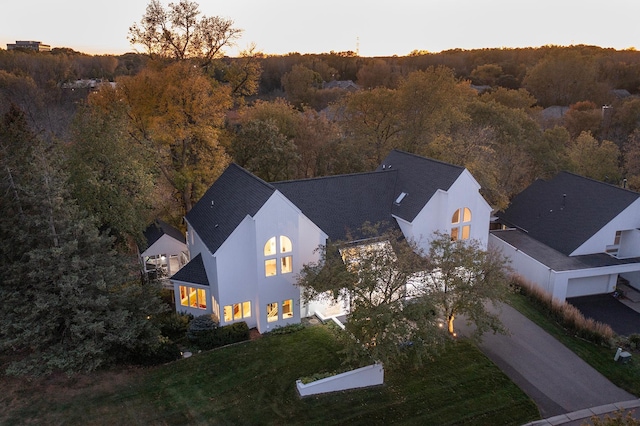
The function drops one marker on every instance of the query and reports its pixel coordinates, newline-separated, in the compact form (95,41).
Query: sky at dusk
(375,28)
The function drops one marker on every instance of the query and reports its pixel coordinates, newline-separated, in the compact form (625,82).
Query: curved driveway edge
(553,376)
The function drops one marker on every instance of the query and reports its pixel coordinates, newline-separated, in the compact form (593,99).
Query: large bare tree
(180,32)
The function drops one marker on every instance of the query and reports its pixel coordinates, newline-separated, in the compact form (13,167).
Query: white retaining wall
(370,375)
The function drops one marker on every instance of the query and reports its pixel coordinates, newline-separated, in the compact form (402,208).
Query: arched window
(461,224)
(277,255)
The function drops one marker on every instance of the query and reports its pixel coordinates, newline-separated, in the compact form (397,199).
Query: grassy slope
(253,383)
(625,376)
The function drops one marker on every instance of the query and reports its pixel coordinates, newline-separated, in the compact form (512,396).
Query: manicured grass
(253,383)
(626,376)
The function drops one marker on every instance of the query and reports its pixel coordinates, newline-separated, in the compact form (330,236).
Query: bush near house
(565,314)
(205,334)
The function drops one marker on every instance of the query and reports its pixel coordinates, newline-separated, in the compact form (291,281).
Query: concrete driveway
(555,378)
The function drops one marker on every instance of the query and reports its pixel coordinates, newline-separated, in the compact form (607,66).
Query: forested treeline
(86,165)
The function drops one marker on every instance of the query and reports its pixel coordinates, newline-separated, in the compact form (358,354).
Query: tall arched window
(461,224)
(276,252)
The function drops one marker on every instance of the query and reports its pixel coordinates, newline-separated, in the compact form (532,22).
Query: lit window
(284,245)
(237,311)
(285,265)
(287,309)
(461,226)
(227,313)
(270,247)
(202,298)
(193,297)
(270,267)
(465,232)
(272,312)
(466,217)
(456,217)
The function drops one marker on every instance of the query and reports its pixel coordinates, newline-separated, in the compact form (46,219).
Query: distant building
(32,45)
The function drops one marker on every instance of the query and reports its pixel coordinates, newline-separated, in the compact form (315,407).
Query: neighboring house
(248,239)
(341,84)
(166,250)
(573,236)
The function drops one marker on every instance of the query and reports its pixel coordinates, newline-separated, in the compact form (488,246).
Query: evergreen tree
(69,302)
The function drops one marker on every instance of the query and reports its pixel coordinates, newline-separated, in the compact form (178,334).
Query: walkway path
(557,380)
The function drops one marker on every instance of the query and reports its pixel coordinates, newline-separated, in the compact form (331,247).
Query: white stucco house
(248,239)
(573,236)
(166,250)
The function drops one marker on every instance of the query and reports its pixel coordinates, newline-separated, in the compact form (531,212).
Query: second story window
(278,258)
(461,224)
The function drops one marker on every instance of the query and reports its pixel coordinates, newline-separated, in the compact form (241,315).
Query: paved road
(555,378)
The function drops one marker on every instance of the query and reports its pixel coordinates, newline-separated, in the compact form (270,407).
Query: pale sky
(374,27)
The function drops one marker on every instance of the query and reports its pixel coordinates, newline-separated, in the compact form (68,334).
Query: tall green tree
(262,149)
(462,279)
(110,176)
(387,322)
(69,302)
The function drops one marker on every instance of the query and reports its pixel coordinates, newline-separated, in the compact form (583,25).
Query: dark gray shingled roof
(553,258)
(419,178)
(342,204)
(159,228)
(566,211)
(193,272)
(337,204)
(234,195)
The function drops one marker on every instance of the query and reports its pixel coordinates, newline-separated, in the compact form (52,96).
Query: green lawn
(626,376)
(253,384)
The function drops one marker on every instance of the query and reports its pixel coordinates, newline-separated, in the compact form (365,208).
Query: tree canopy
(69,302)
(399,297)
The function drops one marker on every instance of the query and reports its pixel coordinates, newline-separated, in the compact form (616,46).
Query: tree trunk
(450,319)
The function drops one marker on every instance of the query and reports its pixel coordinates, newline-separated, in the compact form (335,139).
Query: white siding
(437,213)
(587,286)
(165,245)
(279,217)
(626,220)
(236,272)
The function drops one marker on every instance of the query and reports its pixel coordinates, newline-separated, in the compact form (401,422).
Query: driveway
(555,378)
(608,310)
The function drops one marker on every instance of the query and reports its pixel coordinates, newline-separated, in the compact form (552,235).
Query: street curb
(587,413)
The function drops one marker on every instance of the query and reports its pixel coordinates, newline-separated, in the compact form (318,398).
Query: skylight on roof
(400,197)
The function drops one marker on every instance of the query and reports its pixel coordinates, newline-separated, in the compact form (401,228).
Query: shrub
(220,336)
(287,329)
(174,325)
(201,325)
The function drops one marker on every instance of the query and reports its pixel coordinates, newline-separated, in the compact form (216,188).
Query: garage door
(577,287)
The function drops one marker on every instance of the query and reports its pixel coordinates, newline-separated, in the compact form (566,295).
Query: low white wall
(370,375)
